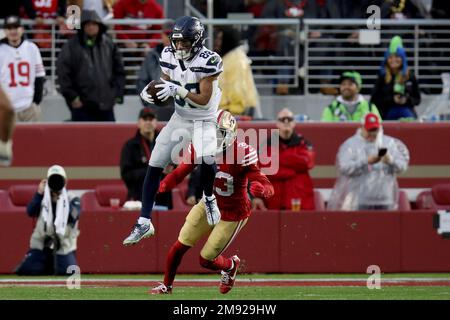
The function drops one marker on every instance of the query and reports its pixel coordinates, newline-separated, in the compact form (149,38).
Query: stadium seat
(319,202)
(22,194)
(403,201)
(104,193)
(438,197)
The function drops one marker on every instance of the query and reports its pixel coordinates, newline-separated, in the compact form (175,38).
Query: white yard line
(389,280)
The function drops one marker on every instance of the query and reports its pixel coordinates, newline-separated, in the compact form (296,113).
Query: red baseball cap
(371,121)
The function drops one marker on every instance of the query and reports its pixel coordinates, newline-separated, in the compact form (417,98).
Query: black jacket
(93,73)
(383,95)
(133,167)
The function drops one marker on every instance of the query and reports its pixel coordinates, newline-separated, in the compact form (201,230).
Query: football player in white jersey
(189,75)
(21,71)
(6,129)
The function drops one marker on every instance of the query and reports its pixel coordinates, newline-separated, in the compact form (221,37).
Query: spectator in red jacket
(296,158)
(138,9)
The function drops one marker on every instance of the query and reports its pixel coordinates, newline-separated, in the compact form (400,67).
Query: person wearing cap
(367,166)
(90,72)
(396,91)
(53,243)
(22,73)
(135,156)
(150,70)
(350,105)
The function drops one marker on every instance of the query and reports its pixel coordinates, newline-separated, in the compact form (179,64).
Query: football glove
(257,190)
(5,153)
(145,96)
(170,89)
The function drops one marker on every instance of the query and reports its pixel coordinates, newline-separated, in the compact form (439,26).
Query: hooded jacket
(360,184)
(91,69)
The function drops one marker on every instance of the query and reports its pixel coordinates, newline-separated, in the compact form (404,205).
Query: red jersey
(47,9)
(230,185)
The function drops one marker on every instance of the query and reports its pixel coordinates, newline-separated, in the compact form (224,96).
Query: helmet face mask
(191,29)
(226,131)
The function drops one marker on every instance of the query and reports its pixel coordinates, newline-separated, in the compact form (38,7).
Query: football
(152,90)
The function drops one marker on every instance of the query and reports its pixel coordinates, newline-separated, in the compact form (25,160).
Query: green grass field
(248,287)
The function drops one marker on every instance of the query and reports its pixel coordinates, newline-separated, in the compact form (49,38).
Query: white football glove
(5,153)
(170,89)
(146,97)
(211,210)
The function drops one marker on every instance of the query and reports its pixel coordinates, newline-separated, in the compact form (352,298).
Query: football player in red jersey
(230,189)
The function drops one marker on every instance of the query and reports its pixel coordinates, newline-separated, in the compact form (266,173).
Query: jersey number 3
(227,180)
(22,70)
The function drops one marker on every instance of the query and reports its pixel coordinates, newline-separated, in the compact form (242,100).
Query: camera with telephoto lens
(56,182)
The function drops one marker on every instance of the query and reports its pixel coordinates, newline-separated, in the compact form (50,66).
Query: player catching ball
(230,188)
(189,75)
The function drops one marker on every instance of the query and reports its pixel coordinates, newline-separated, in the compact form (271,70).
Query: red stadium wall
(310,242)
(91,153)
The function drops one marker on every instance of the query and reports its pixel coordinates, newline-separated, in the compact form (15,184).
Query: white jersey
(19,67)
(188,74)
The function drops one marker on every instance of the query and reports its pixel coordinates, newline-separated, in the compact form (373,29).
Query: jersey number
(22,70)
(43,3)
(227,181)
(191,87)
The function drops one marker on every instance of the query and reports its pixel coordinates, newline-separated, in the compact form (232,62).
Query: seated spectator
(151,70)
(296,158)
(239,94)
(367,165)
(90,72)
(396,90)
(138,9)
(350,105)
(53,243)
(135,156)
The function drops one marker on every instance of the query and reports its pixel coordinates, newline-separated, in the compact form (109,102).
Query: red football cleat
(161,289)
(228,277)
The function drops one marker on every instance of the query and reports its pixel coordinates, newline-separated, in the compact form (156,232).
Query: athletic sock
(149,190)
(208,174)
(174,257)
(219,263)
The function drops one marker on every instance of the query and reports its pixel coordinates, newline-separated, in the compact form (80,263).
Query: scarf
(62,212)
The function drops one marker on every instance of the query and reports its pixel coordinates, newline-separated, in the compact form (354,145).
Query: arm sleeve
(301,161)
(119,72)
(414,92)
(349,163)
(34,207)
(38,89)
(75,211)
(177,176)
(400,157)
(65,76)
(327,115)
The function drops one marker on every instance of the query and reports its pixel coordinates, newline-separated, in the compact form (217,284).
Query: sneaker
(139,232)
(228,277)
(212,210)
(161,289)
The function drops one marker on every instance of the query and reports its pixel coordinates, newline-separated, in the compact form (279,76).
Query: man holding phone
(368,164)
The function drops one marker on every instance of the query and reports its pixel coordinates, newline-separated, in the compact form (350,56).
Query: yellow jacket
(237,84)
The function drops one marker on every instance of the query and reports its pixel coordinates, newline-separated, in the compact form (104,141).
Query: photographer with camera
(54,239)
(396,92)
(367,165)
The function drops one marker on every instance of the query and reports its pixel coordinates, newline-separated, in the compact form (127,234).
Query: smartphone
(382,152)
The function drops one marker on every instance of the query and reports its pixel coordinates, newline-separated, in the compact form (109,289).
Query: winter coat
(292,180)
(94,73)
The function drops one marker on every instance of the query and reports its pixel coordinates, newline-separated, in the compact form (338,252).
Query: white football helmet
(226,130)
